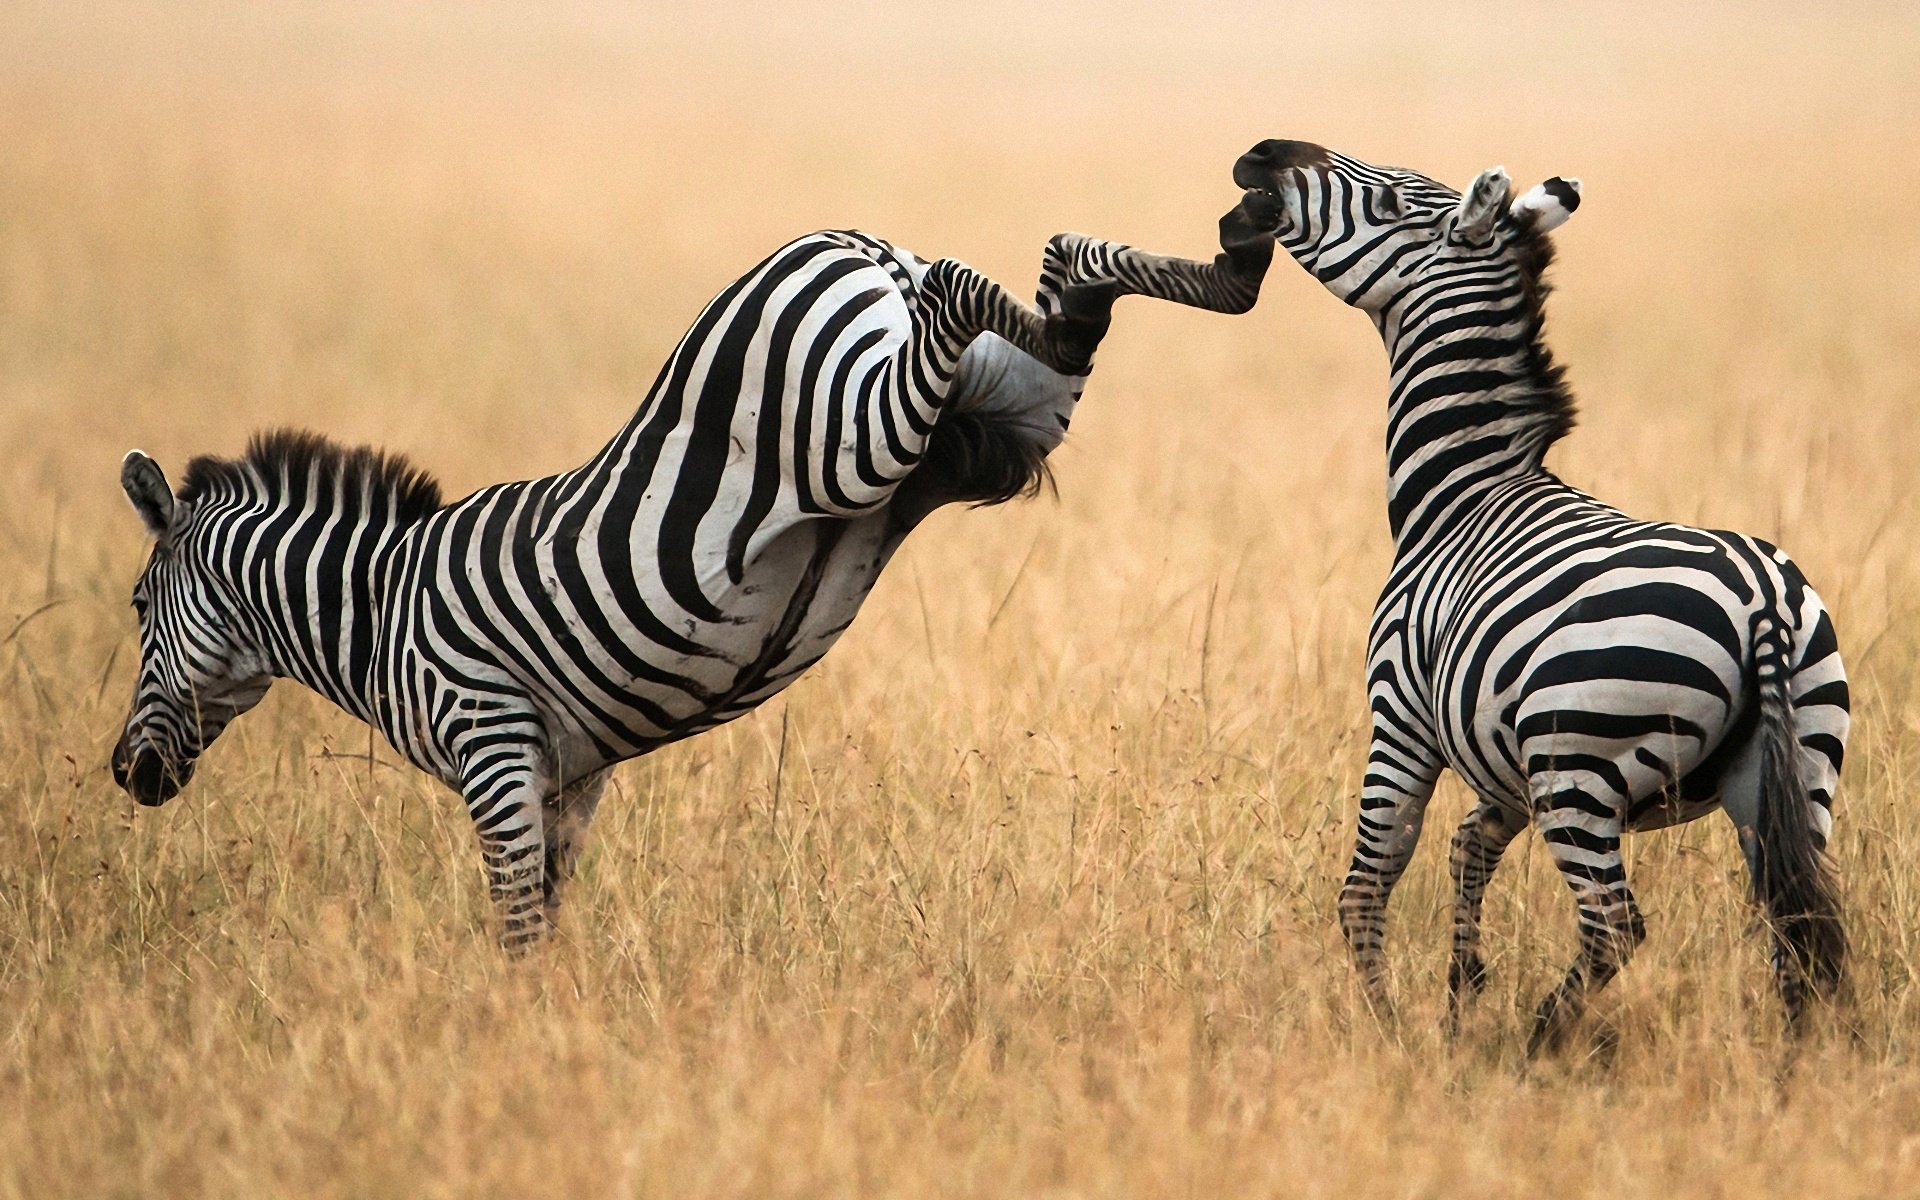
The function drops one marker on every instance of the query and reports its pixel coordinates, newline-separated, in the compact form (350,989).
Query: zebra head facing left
(1373,234)
(199,668)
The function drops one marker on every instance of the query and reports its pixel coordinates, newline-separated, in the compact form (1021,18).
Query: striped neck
(309,585)
(1474,396)
(300,534)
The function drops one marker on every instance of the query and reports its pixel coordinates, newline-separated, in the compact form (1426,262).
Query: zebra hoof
(1549,1030)
(1246,233)
(1466,977)
(1604,1046)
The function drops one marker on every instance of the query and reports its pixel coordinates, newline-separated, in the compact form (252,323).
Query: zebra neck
(314,591)
(1474,401)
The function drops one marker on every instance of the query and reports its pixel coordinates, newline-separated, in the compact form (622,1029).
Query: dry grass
(1039,898)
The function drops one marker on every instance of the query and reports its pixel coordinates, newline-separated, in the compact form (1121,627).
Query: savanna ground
(1029,888)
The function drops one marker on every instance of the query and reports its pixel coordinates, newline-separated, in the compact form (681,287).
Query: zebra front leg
(566,817)
(1393,804)
(1478,843)
(505,794)
(1581,820)
(1228,284)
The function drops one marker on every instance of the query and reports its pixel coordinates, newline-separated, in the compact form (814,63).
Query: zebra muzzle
(147,777)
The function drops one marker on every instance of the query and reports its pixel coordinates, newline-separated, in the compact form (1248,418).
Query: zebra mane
(284,462)
(1551,393)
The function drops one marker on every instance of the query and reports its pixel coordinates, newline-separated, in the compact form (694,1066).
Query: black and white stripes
(519,642)
(1580,670)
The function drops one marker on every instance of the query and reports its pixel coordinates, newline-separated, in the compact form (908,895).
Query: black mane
(285,461)
(1553,396)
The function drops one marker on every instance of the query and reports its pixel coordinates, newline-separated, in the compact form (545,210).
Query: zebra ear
(146,486)
(1483,204)
(1549,205)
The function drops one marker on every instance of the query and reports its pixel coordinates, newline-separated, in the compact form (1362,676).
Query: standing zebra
(518,643)
(1577,668)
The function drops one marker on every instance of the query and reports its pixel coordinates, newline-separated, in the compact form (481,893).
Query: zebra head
(1370,233)
(198,668)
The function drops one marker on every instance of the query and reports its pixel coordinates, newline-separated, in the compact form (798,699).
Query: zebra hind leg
(1478,843)
(1585,845)
(959,303)
(566,816)
(1228,284)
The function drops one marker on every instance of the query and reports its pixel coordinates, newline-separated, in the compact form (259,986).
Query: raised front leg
(566,816)
(1228,284)
(1393,804)
(1478,843)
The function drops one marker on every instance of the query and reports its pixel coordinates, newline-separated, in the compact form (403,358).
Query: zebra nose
(147,777)
(1277,154)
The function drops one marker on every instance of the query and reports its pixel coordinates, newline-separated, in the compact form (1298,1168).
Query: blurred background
(1047,904)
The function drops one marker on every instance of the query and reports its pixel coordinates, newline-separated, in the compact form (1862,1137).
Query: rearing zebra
(518,643)
(1579,669)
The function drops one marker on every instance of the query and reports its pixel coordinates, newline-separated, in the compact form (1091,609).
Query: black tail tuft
(1791,878)
(980,459)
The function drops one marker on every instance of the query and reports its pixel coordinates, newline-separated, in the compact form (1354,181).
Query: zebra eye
(1388,204)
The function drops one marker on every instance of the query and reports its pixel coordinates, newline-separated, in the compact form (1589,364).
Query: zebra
(1578,669)
(519,643)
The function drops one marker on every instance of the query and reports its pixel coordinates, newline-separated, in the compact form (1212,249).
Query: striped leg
(1393,803)
(1228,284)
(958,304)
(505,790)
(1580,815)
(1478,843)
(566,816)
(878,431)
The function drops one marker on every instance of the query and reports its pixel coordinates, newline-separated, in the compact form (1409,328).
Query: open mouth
(1254,178)
(1263,199)
(1266,171)
(1263,205)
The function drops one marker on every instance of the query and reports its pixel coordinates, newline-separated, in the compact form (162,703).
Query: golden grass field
(1028,890)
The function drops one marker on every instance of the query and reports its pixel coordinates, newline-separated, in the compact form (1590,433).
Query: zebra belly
(794,600)
(807,595)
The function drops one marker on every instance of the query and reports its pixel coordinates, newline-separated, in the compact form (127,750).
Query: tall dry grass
(1029,888)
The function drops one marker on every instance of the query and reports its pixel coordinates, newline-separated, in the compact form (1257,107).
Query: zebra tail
(1791,878)
(982,459)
